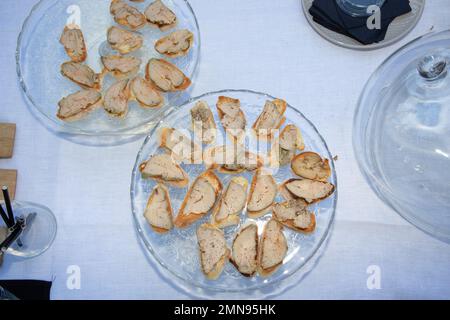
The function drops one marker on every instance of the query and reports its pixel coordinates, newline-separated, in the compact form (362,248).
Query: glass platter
(176,253)
(39,57)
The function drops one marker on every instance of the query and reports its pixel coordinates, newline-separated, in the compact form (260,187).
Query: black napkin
(28,289)
(328,14)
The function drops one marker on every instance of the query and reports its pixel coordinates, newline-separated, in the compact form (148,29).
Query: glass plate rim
(69,128)
(149,247)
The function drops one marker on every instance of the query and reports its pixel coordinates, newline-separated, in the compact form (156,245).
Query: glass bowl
(176,253)
(401,133)
(39,56)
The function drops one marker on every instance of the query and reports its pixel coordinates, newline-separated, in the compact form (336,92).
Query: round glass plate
(398,29)
(40,55)
(177,252)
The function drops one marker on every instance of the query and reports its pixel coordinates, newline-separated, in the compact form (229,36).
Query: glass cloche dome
(401,133)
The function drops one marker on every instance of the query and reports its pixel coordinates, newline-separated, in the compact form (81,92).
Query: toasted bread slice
(163,168)
(127,15)
(230,159)
(176,44)
(231,203)
(231,116)
(199,200)
(244,251)
(181,147)
(158,212)
(295,215)
(145,94)
(121,66)
(262,195)
(283,150)
(158,15)
(116,99)
(203,122)
(309,190)
(273,248)
(124,41)
(270,119)
(166,76)
(214,252)
(81,74)
(78,104)
(73,41)
(311,166)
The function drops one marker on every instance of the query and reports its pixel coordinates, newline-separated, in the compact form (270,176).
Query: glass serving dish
(176,253)
(39,57)
(401,133)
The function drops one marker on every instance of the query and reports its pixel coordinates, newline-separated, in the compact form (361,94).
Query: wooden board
(7,136)
(8,178)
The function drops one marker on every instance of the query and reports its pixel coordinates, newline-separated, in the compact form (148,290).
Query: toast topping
(124,41)
(166,76)
(116,99)
(145,94)
(182,148)
(213,247)
(273,245)
(271,117)
(263,191)
(127,15)
(231,115)
(80,74)
(310,165)
(203,122)
(233,199)
(163,167)
(175,44)
(160,16)
(309,190)
(78,104)
(158,212)
(121,65)
(291,138)
(245,250)
(73,41)
(201,198)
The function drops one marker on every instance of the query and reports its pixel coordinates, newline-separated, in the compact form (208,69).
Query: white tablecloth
(263,45)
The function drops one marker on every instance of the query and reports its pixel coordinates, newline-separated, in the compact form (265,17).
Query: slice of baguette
(181,147)
(311,166)
(231,203)
(163,168)
(214,252)
(244,253)
(271,118)
(158,212)
(283,150)
(262,195)
(294,215)
(273,248)
(309,190)
(199,200)
(231,159)
(203,123)
(231,116)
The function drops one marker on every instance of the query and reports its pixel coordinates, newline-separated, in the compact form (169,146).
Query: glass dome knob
(432,67)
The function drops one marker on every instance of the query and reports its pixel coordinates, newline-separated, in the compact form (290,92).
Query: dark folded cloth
(328,14)
(28,289)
